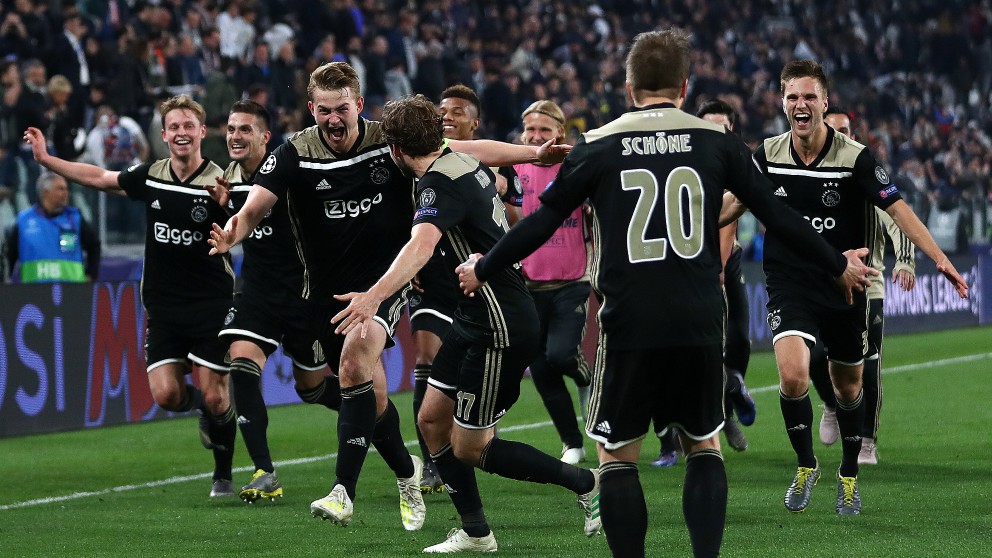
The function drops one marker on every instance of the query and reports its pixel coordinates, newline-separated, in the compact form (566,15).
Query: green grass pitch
(141,490)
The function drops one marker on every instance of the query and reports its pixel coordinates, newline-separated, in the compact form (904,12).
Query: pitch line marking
(304,460)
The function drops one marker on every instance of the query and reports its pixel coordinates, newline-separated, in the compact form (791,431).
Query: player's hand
(857,276)
(220,192)
(552,153)
(904,279)
(946,268)
(501,185)
(222,240)
(36,139)
(359,312)
(467,280)
(415,284)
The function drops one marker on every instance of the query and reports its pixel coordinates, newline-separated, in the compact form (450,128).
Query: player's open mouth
(803,118)
(337,134)
(183,142)
(238,147)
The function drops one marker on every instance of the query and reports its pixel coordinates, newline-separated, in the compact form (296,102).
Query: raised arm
(88,175)
(500,154)
(909,223)
(260,201)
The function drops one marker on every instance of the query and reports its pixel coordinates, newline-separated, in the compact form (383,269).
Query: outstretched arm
(499,154)
(917,232)
(88,175)
(363,306)
(240,225)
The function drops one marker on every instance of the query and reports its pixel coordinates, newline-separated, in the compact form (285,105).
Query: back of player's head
(334,76)
(182,102)
(718,106)
(804,68)
(412,124)
(247,106)
(463,92)
(658,63)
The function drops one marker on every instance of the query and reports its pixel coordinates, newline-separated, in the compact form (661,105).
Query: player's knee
(793,385)
(215,401)
(170,399)
(468,454)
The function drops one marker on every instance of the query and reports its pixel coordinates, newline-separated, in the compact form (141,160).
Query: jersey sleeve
(439,202)
(874,181)
(132,181)
(278,170)
(755,190)
(514,191)
(577,178)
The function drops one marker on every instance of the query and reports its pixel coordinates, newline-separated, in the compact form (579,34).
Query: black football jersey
(271,264)
(350,212)
(458,195)
(656,177)
(179,214)
(835,194)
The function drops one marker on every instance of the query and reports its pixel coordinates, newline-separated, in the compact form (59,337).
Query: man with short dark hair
(266,312)
(655,177)
(832,181)
(492,339)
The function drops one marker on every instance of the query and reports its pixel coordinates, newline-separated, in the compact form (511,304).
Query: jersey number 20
(682,181)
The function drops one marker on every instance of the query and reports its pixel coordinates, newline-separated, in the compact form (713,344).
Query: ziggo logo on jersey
(168,235)
(337,209)
(258,232)
(820,224)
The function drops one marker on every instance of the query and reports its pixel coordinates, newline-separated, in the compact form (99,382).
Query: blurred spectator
(50,237)
(69,59)
(65,135)
(237,29)
(116,142)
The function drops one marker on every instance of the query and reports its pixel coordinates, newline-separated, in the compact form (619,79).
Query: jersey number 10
(686,244)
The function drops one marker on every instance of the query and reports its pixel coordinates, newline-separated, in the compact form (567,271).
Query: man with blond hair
(351,206)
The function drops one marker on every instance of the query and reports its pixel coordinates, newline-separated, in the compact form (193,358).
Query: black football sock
(518,461)
(253,418)
(326,393)
(420,374)
(459,479)
(872,388)
(622,508)
(388,441)
(557,400)
(356,422)
(798,415)
(850,421)
(704,501)
(223,430)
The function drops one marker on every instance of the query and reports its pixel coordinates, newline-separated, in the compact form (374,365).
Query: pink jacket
(563,256)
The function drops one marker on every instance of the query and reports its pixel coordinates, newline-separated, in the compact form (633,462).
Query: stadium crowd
(915,75)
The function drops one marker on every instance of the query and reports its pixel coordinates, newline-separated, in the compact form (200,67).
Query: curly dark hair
(412,124)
